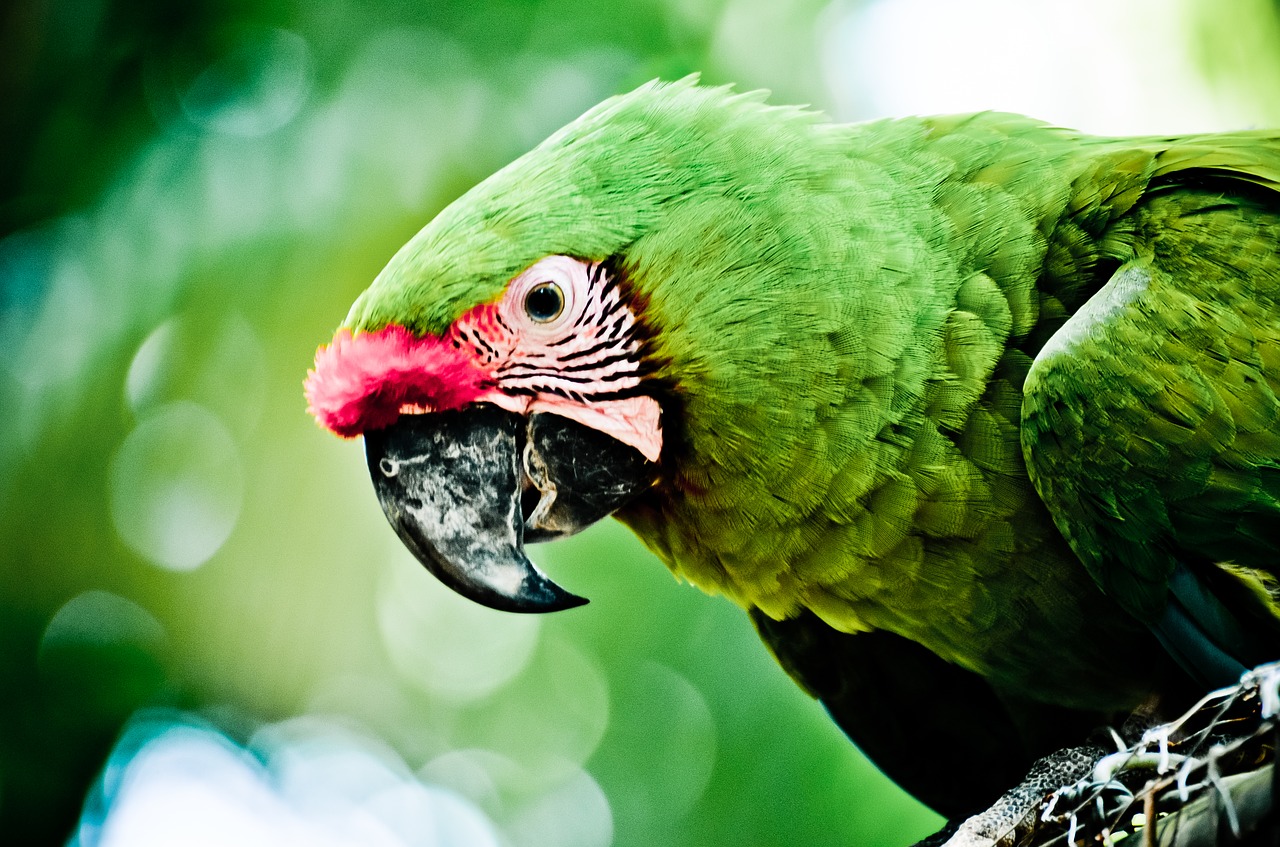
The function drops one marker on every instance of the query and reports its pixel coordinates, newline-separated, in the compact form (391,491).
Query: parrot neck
(934,552)
(863,460)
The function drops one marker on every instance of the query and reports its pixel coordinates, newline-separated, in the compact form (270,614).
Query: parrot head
(584,328)
(525,420)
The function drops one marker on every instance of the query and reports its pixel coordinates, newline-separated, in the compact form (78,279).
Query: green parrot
(975,416)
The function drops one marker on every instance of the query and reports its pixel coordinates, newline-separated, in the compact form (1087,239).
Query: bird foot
(1203,779)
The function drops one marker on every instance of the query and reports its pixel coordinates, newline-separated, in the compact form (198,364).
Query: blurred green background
(190,197)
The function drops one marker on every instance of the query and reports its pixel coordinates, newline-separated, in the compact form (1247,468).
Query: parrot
(975,416)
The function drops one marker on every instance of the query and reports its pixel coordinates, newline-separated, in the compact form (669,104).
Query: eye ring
(544,302)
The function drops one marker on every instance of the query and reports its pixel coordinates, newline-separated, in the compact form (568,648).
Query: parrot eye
(544,302)
(544,298)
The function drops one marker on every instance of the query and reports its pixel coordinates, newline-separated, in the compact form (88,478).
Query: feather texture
(840,323)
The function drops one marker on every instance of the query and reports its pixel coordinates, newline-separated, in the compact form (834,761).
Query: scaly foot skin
(1195,780)
(1017,810)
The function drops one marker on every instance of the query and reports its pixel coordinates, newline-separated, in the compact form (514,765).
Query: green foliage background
(190,196)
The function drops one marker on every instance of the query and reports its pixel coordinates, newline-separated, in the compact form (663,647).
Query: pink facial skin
(572,365)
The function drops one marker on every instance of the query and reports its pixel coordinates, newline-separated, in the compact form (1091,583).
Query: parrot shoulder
(1150,415)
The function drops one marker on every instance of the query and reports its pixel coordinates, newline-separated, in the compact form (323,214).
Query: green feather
(842,321)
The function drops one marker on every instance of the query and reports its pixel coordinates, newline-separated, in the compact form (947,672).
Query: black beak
(453,484)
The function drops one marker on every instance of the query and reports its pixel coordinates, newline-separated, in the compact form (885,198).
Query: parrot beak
(455,486)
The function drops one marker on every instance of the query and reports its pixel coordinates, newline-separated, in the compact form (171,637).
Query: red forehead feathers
(362,382)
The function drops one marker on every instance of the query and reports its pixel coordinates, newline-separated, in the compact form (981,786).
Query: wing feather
(1151,424)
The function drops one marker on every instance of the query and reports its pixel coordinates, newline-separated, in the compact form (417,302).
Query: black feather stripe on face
(599,358)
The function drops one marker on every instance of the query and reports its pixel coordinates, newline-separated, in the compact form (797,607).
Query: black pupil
(544,302)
